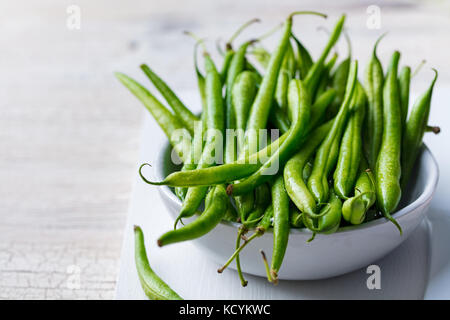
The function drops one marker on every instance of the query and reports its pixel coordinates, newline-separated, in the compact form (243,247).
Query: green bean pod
(293,172)
(183,113)
(229,54)
(314,73)
(236,67)
(298,96)
(325,78)
(215,127)
(320,107)
(388,168)
(243,94)
(154,287)
(260,109)
(328,222)
(169,123)
(212,215)
(355,208)
(280,204)
(350,148)
(219,174)
(373,83)
(404,81)
(414,131)
(327,152)
(304,60)
(285,75)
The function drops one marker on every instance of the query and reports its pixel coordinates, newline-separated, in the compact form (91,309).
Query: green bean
(200,77)
(284,76)
(320,106)
(414,131)
(215,126)
(293,172)
(388,169)
(314,73)
(327,154)
(243,94)
(304,60)
(299,97)
(169,123)
(280,203)
(329,222)
(183,113)
(339,78)
(260,109)
(373,82)
(218,174)
(350,148)
(236,67)
(212,215)
(325,77)
(404,80)
(318,109)
(355,208)
(154,287)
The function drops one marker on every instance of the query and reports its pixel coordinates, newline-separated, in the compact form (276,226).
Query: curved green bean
(154,287)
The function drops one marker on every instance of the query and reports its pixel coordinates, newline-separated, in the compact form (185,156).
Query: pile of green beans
(344,147)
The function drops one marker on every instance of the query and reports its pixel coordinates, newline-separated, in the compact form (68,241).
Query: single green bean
(212,215)
(350,147)
(154,287)
(314,73)
(329,222)
(304,60)
(373,82)
(219,174)
(280,204)
(404,80)
(293,172)
(355,208)
(327,154)
(388,168)
(414,131)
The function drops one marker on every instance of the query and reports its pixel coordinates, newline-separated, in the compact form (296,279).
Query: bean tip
(229,189)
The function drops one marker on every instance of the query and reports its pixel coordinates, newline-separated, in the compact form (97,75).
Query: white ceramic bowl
(349,249)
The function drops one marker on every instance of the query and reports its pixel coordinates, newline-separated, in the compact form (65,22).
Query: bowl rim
(423,198)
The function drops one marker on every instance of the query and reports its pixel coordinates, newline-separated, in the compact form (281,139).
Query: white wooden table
(70,132)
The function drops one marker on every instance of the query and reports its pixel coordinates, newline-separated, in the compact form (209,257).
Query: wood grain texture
(69,133)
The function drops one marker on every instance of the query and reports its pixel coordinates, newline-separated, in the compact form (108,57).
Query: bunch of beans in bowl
(287,140)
